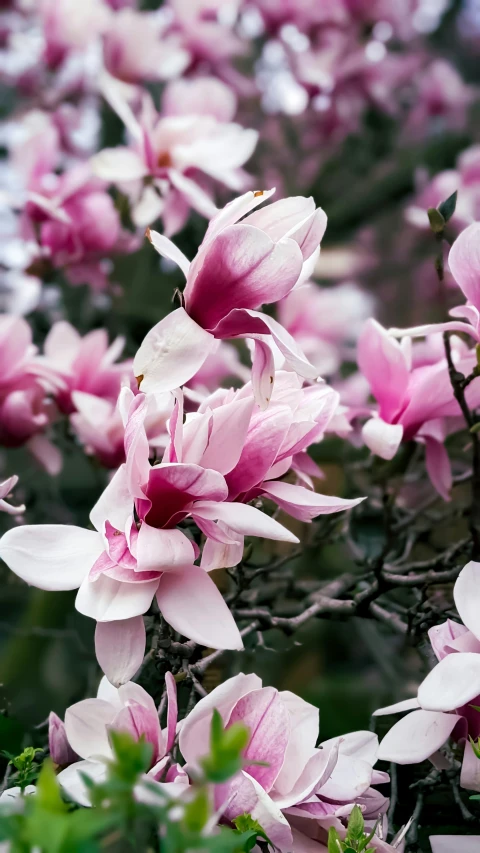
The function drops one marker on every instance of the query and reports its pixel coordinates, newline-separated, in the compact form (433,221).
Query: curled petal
(381,438)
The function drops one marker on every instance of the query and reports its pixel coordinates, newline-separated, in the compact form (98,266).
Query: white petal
(108,600)
(169,250)
(171,353)
(466,593)
(244,519)
(71,779)
(51,556)
(406,705)
(118,164)
(381,438)
(417,736)
(452,683)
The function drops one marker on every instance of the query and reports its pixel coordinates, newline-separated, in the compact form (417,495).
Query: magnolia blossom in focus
(254,449)
(238,267)
(415,400)
(445,703)
(177,150)
(86,735)
(296,788)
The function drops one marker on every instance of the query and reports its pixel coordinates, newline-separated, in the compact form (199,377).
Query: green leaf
(197,811)
(437,222)
(216,730)
(447,208)
(48,796)
(356,825)
(246,823)
(334,843)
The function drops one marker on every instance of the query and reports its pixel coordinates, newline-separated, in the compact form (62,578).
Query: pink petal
(466,593)
(173,486)
(470,773)
(267,719)
(60,750)
(109,600)
(162,550)
(464,262)
(218,555)
(172,710)
(139,721)
(137,447)
(382,361)
(417,736)
(192,604)
(381,438)
(120,648)
(304,504)
(263,373)
(195,729)
(452,683)
(282,217)
(233,211)
(171,353)
(51,556)
(315,773)
(246,796)
(227,435)
(304,726)
(243,268)
(266,435)
(437,463)
(115,504)
(193,193)
(434,329)
(243,519)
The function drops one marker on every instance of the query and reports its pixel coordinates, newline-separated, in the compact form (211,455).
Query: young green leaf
(356,825)
(447,208)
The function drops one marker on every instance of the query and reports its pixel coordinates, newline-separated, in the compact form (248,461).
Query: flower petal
(268,722)
(243,518)
(466,593)
(464,262)
(263,373)
(86,725)
(168,250)
(161,550)
(118,164)
(417,736)
(51,556)
(109,600)
(120,648)
(172,710)
(192,604)
(452,683)
(71,779)
(171,353)
(381,438)
(304,504)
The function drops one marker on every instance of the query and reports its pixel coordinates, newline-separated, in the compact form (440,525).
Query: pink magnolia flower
(131,709)
(5,490)
(296,777)
(324,321)
(413,400)
(121,565)
(26,388)
(177,150)
(444,705)
(253,448)
(71,26)
(87,364)
(135,48)
(238,267)
(77,225)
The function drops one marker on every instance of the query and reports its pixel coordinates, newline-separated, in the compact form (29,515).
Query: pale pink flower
(444,705)
(299,781)
(179,151)
(70,26)
(135,48)
(413,401)
(253,448)
(87,364)
(130,709)
(238,267)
